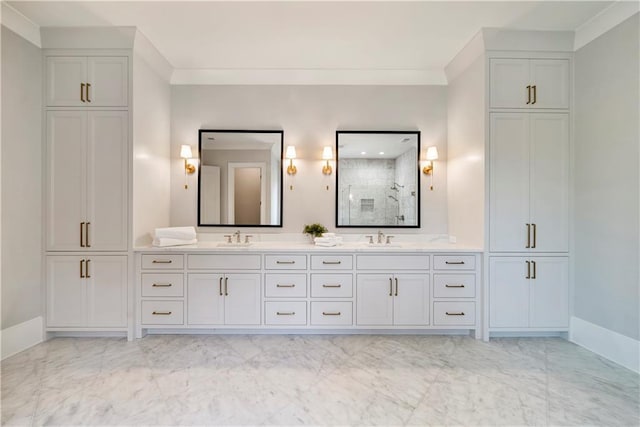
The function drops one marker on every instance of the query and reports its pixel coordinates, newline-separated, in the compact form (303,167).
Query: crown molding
(308,77)
(20,24)
(607,19)
(145,49)
(467,56)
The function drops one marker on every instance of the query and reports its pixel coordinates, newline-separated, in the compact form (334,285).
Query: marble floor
(315,379)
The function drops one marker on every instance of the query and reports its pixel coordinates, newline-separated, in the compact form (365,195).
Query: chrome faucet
(380,236)
(237,234)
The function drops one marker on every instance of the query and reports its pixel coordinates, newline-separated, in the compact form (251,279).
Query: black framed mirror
(378,181)
(240,178)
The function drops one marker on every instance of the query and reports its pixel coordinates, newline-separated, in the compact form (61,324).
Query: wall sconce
(432,155)
(189,168)
(291,154)
(327,154)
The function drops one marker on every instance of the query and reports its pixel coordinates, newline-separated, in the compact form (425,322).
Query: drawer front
(163,262)
(393,262)
(223,262)
(285,313)
(285,262)
(285,285)
(454,262)
(162,284)
(332,285)
(454,285)
(162,313)
(447,313)
(331,262)
(339,313)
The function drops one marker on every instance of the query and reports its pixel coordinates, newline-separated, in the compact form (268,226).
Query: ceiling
(318,35)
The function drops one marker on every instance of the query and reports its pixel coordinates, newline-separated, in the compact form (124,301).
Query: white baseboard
(616,347)
(22,336)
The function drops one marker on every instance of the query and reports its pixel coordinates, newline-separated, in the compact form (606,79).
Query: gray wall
(606,180)
(309,116)
(21,180)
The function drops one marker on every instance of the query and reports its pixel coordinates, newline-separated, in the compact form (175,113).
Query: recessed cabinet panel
(223,262)
(411,299)
(331,262)
(508,292)
(162,312)
(162,261)
(392,262)
(107,291)
(454,285)
(242,299)
(285,285)
(375,299)
(285,262)
(550,293)
(331,285)
(65,75)
(327,313)
(509,182)
(66,291)
(454,313)
(551,80)
(162,285)
(67,185)
(454,262)
(108,79)
(292,313)
(509,81)
(205,305)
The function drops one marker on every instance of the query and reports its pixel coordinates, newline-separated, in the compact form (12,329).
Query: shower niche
(377,179)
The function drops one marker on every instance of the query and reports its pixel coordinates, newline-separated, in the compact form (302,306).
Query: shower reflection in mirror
(378,179)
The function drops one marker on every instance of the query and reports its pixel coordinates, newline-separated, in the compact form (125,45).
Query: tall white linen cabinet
(528,183)
(87,97)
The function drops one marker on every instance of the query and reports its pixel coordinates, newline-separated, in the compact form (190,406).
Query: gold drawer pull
(331,313)
(162,285)
(285,286)
(454,262)
(454,314)
(161,313)
(286,313)
(331,286)
(285,262)
(454,286)
(161,261)
(332,262)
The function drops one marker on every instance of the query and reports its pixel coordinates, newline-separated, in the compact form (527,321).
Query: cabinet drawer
(332,285)
(162,313)
(331,313)
(331,262)
(223,262)
(454,313)
(392,262)
(162,285)
(454,285)
(285,313)
(285,285)
(285,262)
(163,262)
(454,262)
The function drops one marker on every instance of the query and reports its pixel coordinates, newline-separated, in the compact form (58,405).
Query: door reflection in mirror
(240,178)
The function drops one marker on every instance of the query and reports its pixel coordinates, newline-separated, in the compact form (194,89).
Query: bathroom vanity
(299,287)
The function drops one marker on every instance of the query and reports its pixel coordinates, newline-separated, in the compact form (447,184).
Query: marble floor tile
(315,380)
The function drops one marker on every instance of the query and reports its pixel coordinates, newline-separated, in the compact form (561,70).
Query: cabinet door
(66,184)
(108,79)
(509,79)
(509,182)
(107,180)
(374,300)
(549,182)
(551,80)
(549,293)
(205,299)
(66,292)
(65,75)
(107,291)
(508,292)
(242,299)
(411,299)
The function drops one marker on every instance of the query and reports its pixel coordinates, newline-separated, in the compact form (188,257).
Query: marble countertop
(297,246)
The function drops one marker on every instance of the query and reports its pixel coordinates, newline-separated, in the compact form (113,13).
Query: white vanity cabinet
(307,290)
(87,81)
(223,299)
(86,291)
(529,83)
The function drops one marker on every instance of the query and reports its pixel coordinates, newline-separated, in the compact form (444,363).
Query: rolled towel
(181,233)
(162,242)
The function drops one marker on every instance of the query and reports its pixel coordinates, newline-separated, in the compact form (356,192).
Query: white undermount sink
(234,244)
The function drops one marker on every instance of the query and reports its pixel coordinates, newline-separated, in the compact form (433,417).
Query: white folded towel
(328,241)
(181,233)
(327,244)
(166,241)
